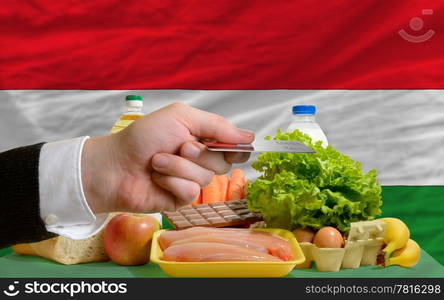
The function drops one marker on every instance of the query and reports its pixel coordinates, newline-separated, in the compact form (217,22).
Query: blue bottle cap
(304,110)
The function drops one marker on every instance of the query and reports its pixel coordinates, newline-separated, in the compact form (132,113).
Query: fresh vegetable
(325,188)
(396,236)
(198,200)
(236,186)
(407,256)
(216,191)
(328,237)
(303,235)
(223,188)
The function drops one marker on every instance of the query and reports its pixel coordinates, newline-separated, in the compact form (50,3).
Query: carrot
(236,186)
(216,191)
(198,200)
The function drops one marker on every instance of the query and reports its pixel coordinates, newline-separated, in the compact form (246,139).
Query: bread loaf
(65,250)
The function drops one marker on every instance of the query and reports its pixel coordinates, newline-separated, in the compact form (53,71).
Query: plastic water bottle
(304,120)
(134,104)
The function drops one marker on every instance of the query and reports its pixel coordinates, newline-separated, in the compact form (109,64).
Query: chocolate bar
(221,214)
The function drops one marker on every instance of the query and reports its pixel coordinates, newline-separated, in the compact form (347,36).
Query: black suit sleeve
(20,220)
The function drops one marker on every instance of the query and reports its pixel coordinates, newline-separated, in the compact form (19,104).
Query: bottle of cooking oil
(133,104)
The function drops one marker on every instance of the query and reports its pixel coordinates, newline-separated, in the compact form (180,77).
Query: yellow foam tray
(230,269)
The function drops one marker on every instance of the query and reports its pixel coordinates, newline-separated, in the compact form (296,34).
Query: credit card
(260,146)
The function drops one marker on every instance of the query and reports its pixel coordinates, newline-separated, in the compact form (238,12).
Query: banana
(407,256)
(396,236)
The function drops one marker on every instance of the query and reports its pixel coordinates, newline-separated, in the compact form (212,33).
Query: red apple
(127,238)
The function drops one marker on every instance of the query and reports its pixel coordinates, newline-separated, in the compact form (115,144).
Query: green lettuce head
(325,188)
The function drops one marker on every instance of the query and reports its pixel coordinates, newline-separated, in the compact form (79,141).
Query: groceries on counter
(68,251)
(325,188)
(331,251)
(65,250)
(381,242)
(331,205)
(226,252)
(304,121)
(220,204)
(243,238)
(223,244)
(127,238)
(232,213)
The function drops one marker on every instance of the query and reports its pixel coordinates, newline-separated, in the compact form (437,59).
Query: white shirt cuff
(63,205)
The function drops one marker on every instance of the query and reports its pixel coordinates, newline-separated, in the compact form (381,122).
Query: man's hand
(157,162)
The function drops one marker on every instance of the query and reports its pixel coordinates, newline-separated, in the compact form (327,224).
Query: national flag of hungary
(374,69)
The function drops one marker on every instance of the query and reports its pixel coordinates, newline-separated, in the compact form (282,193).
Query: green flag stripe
(422,209)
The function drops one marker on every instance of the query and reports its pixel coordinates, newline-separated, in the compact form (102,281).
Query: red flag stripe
(309,44)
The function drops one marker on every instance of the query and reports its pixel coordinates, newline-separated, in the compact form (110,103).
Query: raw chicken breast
(170,236)
(260,241)
(212,238)
(205,252)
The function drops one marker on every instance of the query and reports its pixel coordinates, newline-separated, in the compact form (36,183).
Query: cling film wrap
(361,248)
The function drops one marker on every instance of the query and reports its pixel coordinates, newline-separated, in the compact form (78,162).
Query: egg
(328,237)
(303,234)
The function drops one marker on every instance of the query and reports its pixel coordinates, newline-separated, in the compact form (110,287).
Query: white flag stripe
(398,132)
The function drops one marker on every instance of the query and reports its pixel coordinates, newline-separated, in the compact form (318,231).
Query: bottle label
(130,117)
(123,122)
